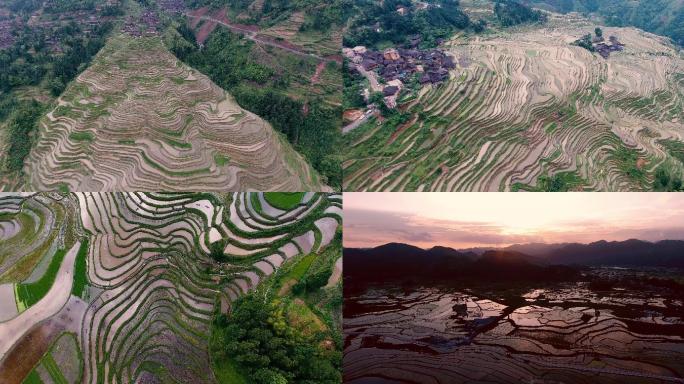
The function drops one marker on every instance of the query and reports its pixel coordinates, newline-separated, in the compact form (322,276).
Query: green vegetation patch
(259,337)
(227,372)
(30,293)
(284,200)
(674,148)
(221,159)
(626,159)
(81,270)
(21,126)
(559,182)
(81,136)
(32,378)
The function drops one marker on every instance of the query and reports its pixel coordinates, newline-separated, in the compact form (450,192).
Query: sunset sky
(463,220)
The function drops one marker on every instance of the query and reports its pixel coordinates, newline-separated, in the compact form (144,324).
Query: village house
(401,64)
(391,54)
(360,50)
(390,90)
(605,50)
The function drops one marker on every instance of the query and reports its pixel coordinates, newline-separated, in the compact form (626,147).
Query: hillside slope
(664,17)
(529,110)
(138,119)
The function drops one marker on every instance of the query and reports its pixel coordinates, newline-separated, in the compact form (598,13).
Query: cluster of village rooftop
(146,25)
(395,66)
(7,25)
(148,22)
(604,49)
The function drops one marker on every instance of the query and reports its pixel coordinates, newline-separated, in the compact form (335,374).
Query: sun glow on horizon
(501,219)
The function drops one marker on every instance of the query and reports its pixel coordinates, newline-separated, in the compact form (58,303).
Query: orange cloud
(500,219)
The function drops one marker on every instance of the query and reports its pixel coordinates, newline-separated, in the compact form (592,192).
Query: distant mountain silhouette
(395,261)
(549,262)
(666,253)
(535,249)
(632,252)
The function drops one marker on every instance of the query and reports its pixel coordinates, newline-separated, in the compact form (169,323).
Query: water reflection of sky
(442,336)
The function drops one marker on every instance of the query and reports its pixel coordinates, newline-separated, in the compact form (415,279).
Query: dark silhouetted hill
(394,261)
(639,253)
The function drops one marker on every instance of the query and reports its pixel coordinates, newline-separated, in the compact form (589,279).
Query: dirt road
(252,35)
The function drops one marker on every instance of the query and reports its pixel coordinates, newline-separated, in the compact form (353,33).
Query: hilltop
(139,119)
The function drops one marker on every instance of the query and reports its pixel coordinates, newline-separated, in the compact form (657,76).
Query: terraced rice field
(136,282)
(139,119)
(527,106)
(441,335)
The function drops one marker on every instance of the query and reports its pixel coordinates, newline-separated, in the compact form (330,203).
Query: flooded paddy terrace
(563,333)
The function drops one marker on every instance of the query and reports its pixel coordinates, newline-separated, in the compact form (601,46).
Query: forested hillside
(43,46)
(275,85)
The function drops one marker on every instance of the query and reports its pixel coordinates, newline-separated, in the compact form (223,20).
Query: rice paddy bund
(139,119)
(525,107)
(122,287)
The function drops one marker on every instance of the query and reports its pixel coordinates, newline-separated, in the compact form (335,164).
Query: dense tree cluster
(353,85)
(395,21)
(259,338)
(510,12)
(666,181)
(585,42)
(30,62)
(312,127)
(21,125)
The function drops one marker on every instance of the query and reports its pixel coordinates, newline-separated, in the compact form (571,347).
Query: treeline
(510,12)
(395,21)
(664,17)
(311,126)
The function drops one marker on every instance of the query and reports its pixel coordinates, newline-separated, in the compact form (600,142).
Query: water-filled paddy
(565,333)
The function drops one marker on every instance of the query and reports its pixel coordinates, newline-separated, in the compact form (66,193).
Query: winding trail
(13,330)
(252,35)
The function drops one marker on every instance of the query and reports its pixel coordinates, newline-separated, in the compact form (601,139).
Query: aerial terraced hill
(114,287)
(138,119)
(527,110)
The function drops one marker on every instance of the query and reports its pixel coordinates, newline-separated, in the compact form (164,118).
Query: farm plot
(137,278)
(138,119)
(530,111)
